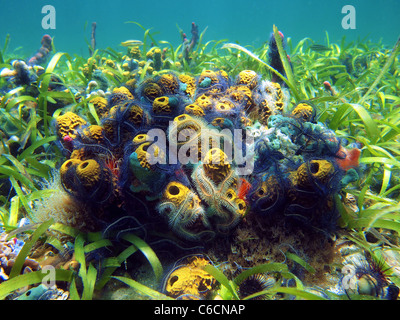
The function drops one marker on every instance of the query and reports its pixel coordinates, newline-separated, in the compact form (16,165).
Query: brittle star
(183,215)
(221,202)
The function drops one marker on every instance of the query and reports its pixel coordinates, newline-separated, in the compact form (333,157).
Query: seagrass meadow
(109,190)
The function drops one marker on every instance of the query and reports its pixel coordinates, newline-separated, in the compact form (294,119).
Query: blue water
(248,24)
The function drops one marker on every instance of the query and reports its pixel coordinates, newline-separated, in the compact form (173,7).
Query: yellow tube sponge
(100,104)
(204,101)
(89,173)
(135,113)
(66,179)
(176,193)
(161,105)
(135,53)
(143,155)
(186,132)
(188,123)
(124,91)
(190,83)
(209,74)
(240,203)
(320,171)
(224,105)
(216,165)
(94,133)
(241,95)
(140,138)
(152,90)
(155,54)
(303,111)
(110,63)
(67,124)
(195,110)
(248,78)
(190,279)
(169,83)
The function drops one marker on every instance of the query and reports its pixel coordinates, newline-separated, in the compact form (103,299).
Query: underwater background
(315,105)
(247,23)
